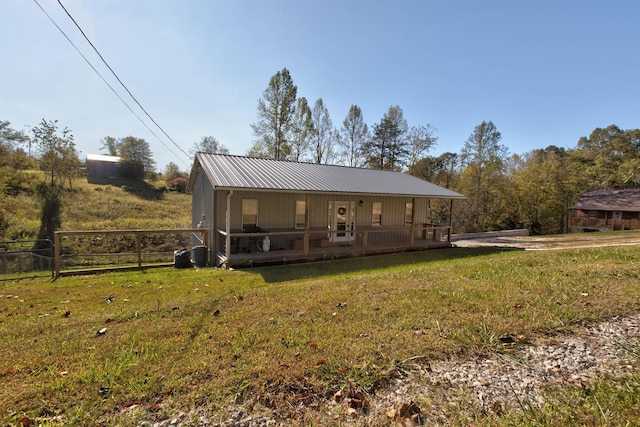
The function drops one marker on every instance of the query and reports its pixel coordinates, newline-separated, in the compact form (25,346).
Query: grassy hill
(103,207)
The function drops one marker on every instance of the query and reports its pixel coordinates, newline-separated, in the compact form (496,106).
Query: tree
(302,130)
(110,144)
(388,147)
(137,158)
(275,116)
(58,156)
(355,134)
(421,140)
(323,138)
(482,157)
(441,170)
(172,171)
(610,157)
(50,215)
(208,144)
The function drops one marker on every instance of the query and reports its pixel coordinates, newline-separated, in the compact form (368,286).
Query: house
(606,210)
(261,210)
(101,168)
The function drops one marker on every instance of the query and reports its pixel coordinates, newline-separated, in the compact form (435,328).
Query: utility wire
(118,78)
(109,85)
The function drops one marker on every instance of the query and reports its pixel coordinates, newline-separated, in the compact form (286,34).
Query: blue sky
(545,72)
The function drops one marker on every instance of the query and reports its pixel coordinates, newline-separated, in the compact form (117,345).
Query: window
(301,221)
(376,214)
(249,213)
(408,213)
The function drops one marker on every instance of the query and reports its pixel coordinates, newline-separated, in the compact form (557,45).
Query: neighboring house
(260,210)
(101,168)
(606,210)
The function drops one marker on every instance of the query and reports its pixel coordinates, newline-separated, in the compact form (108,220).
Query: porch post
(227,246)
(306,225)
(450,221)
(413,221)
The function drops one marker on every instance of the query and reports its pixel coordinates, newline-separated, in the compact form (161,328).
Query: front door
(342,221)
(617,220)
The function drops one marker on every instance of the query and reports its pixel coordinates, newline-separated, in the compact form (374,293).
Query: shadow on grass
(283,273)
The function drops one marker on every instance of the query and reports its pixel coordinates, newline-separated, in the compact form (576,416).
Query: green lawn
(178,339)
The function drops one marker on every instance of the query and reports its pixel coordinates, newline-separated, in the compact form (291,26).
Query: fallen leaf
(320,362)
(101,331)
(66,314)
(25,421)
(154,408)
(391,414)
(9,371)
(313,345)
(216,313)
(352,412)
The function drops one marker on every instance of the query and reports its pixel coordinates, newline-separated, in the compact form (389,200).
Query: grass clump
(283,336)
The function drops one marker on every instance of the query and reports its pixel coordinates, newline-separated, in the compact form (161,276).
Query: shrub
(178,184)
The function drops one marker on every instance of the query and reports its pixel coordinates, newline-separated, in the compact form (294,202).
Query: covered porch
(247,249)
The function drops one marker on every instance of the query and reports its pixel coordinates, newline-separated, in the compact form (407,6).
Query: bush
(178,184)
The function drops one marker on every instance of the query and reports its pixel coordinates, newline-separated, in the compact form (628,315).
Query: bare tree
(324,135)
(302,131)
(354,136)
(421,140)
(275,117)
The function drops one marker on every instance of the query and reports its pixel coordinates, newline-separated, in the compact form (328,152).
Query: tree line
(533,190)
(289,129)
(503,190)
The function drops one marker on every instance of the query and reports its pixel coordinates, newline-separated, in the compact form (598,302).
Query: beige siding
(277,210)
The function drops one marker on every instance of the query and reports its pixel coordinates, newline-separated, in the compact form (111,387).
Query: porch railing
(605,224)
(285,245)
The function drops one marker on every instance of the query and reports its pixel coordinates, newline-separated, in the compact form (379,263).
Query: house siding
(276,211)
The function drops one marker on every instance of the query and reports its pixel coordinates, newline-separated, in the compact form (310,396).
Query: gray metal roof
(248,173)
(627,200)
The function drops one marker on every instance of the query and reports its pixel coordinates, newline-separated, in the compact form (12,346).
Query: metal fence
(85,251)
(26,258)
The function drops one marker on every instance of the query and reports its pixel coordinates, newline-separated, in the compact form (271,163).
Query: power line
(109,85)
(118,78)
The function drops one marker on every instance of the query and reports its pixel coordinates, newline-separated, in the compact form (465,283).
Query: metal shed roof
(627,200)
(248,173)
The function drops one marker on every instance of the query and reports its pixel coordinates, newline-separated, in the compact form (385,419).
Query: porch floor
(334,251)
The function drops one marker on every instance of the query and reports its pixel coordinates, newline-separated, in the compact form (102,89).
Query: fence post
(56,251)
(139,248)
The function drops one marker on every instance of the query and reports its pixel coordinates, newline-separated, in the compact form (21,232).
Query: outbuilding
(102,168)
(269,211)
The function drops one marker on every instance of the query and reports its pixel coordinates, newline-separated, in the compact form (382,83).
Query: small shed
(102,168)
(609,209)
(262,210)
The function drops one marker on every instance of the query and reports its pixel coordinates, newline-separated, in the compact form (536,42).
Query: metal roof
(248,173)
(103,158)
(627,200)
